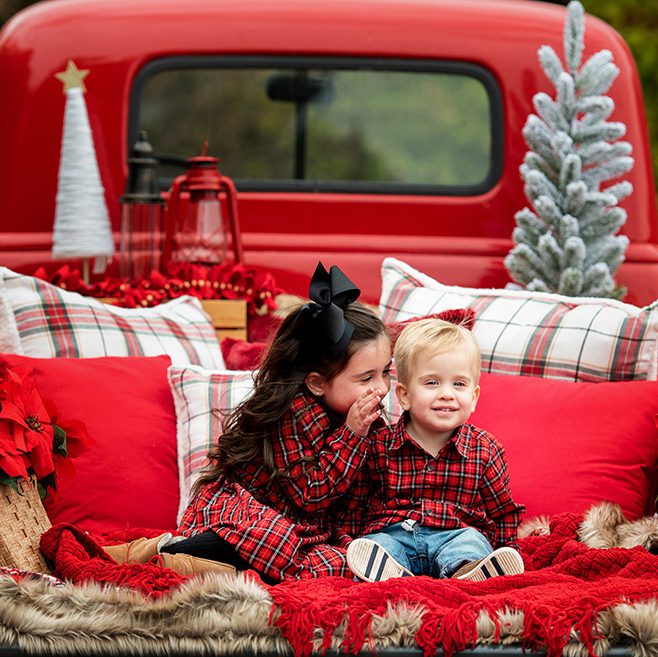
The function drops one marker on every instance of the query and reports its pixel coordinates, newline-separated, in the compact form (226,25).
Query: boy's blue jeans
(429,551)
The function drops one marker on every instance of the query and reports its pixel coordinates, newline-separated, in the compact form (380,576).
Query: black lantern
(142,214)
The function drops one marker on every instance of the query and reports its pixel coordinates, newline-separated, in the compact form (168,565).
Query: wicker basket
(22,521)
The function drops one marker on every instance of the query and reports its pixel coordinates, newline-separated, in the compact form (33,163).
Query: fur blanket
(572,598)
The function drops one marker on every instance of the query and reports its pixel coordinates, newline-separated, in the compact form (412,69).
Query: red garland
(225,281)
(34,440)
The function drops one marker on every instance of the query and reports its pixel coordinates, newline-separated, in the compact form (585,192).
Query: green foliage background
(635,20)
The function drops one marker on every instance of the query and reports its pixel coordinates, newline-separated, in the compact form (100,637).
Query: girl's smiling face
(441,394)
(369,367)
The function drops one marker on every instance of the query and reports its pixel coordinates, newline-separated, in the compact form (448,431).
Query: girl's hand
(363,412)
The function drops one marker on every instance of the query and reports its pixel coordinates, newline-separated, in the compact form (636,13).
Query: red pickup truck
(353,129)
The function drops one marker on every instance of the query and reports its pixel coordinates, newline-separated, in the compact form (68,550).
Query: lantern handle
(171,210)
(236,234)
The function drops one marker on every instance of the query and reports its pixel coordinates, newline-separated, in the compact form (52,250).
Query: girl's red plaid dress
(292,525)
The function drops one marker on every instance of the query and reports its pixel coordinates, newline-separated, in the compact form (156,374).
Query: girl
(295,448)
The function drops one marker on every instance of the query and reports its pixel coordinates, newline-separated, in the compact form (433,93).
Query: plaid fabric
(535,334)
(286,527)
(466,484)
(322,461)
(10,341)
(54,323)
(273,544)
(202,399)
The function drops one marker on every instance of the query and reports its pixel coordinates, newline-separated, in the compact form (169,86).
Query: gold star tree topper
(72,77)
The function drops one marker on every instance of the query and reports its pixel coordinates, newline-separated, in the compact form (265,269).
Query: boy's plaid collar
(461,437)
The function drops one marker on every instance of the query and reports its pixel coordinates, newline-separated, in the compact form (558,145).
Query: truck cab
(353,130)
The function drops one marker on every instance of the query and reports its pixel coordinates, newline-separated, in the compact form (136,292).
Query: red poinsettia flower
(188,278)
(265,291)
(65,277)
(11,460)
(23,405)
(110,287)
(33,438)
(222,281)
(41,457)
(75,438)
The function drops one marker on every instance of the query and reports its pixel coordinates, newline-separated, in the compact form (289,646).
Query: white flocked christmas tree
(82,224)
(567,241)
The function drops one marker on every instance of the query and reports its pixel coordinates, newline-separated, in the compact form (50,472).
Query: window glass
(321,125)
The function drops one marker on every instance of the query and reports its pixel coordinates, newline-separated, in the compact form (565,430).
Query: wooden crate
(229,317)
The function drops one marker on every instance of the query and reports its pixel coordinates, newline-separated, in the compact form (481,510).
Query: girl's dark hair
(280,377)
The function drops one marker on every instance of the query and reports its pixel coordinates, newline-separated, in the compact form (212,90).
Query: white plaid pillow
(54,323)
(10,341)
(536,334)
(202,399)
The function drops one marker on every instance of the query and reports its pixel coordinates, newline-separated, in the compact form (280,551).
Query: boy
(444,497)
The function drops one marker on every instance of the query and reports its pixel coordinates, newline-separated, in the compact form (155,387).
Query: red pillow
(261,328)
(240,354)
(571,445)
(129,475)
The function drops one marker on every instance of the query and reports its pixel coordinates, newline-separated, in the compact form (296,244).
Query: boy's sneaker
(370,562)
(503,561)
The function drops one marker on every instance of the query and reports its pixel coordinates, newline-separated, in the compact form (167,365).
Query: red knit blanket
(77,556)
(564,587)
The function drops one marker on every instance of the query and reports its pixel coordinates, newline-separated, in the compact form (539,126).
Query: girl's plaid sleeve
(317,465)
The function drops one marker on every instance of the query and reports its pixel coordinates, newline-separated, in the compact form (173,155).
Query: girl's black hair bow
(322,321)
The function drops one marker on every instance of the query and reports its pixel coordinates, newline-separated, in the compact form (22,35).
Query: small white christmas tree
(82,224)
(568,242)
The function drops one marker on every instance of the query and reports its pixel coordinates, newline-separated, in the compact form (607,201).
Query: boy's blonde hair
(433,336)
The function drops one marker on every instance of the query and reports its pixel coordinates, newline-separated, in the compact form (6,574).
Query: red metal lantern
(201,213)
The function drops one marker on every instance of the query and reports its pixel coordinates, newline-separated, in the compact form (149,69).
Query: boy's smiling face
(441,394)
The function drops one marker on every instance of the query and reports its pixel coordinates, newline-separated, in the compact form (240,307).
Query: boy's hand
(364,411)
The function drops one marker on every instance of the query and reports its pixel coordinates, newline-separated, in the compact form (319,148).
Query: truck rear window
(330,125)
